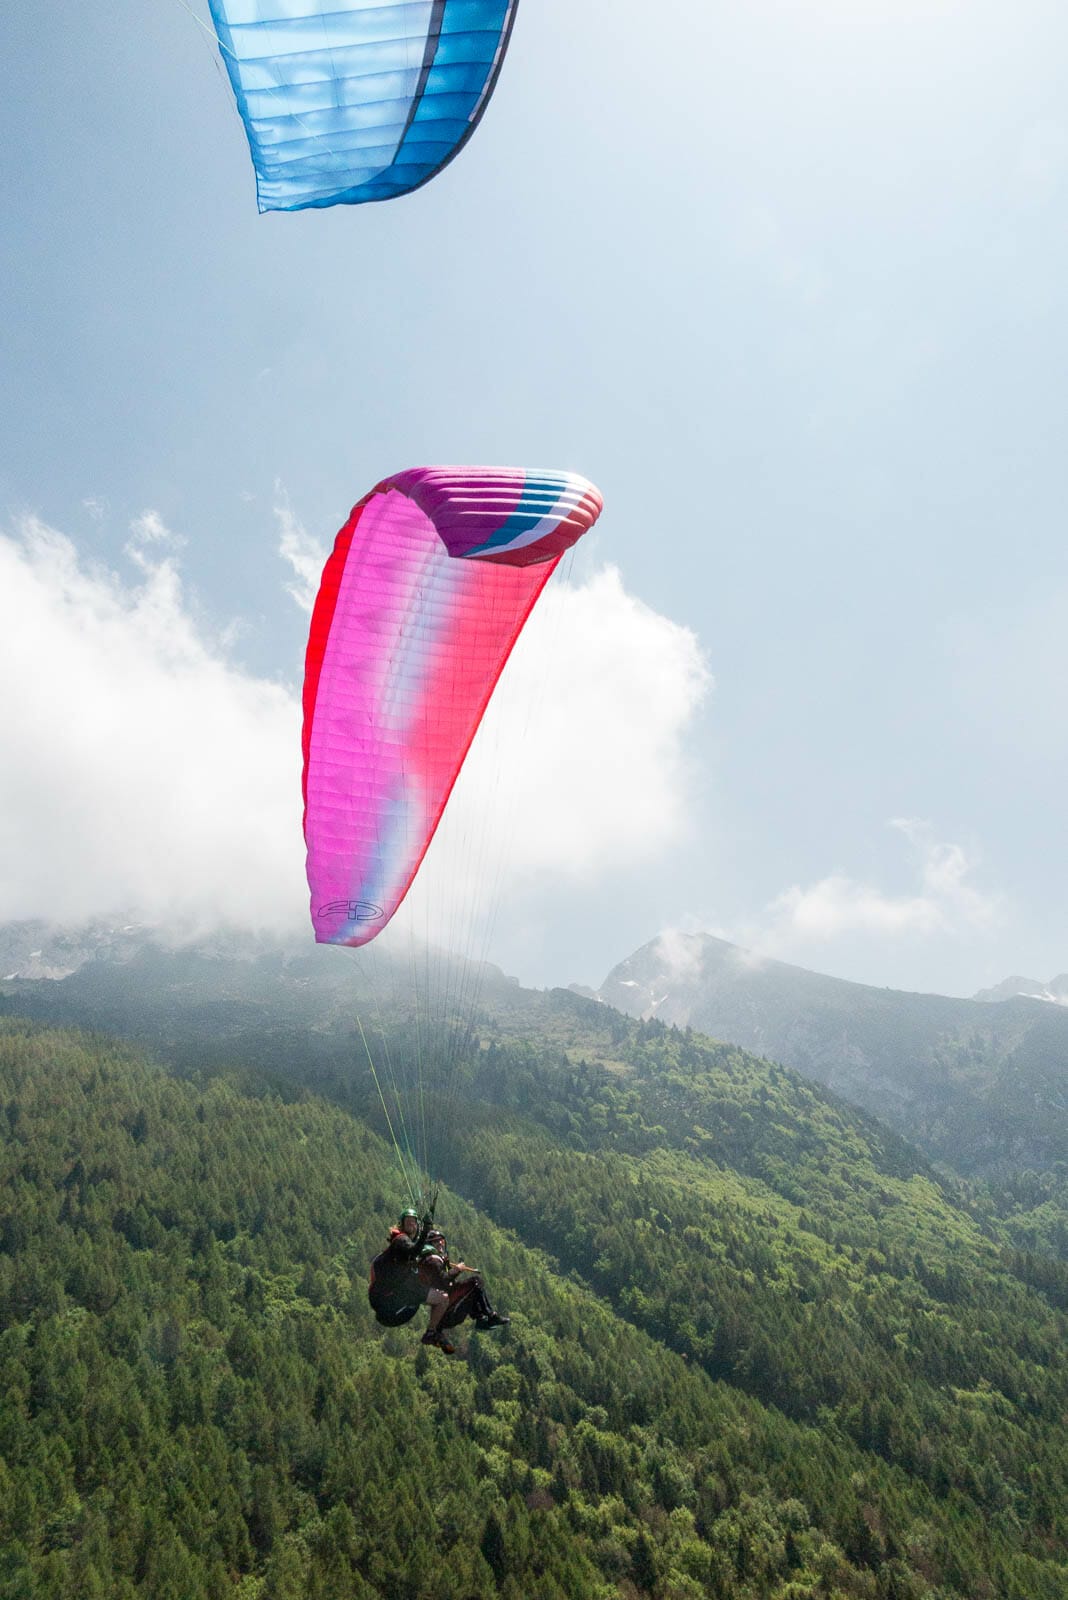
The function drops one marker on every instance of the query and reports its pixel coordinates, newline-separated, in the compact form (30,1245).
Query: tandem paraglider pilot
(414,1270)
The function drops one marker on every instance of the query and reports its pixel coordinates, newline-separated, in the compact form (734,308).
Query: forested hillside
(780,1363)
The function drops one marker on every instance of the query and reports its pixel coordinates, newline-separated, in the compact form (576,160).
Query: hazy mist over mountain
(981,1084)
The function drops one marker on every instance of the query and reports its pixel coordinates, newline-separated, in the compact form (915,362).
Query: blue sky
(787,281)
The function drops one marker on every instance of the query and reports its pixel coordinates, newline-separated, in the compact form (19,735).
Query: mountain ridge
(941,1070)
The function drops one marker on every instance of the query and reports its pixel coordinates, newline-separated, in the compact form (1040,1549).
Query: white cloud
(838,904)
(945,869)
(149,538)
(305,554)
(679,953)
(143,769)
(580,768)
(944,901)
(149,528)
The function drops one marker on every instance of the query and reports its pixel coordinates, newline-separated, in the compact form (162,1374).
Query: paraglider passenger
(464,1286)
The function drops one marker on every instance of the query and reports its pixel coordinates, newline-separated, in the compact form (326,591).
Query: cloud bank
(146,770)
(854,928)
(142,770)
(837,906)
(580,768)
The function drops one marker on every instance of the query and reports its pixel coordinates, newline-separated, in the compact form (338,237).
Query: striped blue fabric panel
(358,101)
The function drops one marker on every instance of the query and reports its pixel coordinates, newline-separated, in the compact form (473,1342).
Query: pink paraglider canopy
(428,587)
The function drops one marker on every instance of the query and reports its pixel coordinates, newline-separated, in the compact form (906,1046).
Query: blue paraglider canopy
(347,102)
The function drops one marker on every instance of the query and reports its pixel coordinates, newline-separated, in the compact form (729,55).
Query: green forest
(759,1346)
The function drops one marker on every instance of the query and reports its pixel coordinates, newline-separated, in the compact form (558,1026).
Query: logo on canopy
(352,910)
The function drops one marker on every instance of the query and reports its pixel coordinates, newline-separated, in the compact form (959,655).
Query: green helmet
(406,1214)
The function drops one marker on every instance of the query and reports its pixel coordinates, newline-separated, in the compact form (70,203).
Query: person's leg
(483,1312)
(480,1306)
(432,1278)
(435,1334)
(461,1303)
(438,1301)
